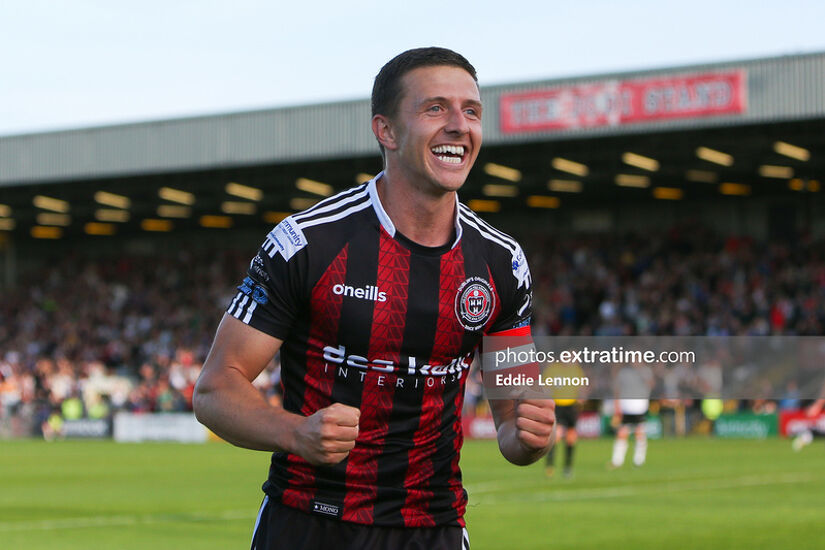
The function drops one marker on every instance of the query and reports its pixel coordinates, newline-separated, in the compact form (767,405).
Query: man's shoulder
(476,227)
(320,224)
(492,240)
(501,250)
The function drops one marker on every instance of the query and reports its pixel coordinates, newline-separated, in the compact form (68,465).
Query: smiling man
(377,299)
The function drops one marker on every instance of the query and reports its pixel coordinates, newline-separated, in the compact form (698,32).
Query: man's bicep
(242,347)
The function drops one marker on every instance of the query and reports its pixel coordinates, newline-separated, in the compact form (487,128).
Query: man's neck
(425,219)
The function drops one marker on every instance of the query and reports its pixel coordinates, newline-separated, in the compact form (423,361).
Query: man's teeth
(452,149)
(450,160)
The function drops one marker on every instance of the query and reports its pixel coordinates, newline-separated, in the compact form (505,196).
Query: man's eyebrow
(436,99)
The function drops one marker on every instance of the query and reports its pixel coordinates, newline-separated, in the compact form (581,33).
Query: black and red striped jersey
(373,320)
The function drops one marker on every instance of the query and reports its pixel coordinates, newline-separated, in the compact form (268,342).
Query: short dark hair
(387,89)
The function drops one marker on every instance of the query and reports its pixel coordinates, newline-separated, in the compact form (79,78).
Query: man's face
(437,128)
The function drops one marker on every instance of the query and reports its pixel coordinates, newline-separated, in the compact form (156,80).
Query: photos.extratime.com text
(587,356)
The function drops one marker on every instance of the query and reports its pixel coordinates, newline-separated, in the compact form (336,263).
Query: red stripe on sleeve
(520,331)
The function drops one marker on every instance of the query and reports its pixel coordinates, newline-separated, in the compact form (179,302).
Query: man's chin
(451,182)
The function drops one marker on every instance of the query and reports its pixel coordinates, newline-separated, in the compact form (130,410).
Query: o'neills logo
(369,292)
(474,303)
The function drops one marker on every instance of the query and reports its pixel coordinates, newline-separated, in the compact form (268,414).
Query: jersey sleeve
(272,293)
(516,295)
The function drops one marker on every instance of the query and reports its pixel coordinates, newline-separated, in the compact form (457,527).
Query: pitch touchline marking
(555,496)
(664,488)
(503,484)
(111,521)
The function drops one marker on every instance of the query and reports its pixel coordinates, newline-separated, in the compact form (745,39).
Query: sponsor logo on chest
(368,292)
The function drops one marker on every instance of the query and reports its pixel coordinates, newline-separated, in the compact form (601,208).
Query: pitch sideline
(564,495)
(117,521)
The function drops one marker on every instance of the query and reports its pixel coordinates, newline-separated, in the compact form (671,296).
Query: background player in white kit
(633,385)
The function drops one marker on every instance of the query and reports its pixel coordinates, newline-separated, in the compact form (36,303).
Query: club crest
(474,303)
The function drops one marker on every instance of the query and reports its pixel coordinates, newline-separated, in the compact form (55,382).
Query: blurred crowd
(85,337)
(684,282)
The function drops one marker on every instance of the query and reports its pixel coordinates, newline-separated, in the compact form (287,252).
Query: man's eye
(471,112)
(435,108)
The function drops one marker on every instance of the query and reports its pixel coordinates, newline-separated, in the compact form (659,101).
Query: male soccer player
(377,299)
(633,386)
(568,406)
(567,414)
(805,437)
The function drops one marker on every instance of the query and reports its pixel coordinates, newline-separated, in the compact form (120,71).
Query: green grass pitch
(692,493)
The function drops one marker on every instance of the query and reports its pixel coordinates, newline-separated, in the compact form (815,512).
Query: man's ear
(384,132)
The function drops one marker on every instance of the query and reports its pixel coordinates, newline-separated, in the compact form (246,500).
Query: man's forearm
(231,407)
(513,449)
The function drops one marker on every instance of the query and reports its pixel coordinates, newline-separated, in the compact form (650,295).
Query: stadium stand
(130,332)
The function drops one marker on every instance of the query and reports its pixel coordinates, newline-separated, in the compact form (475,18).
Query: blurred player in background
(633,386)
(805,437)
(568,406)
(377,299)
(567,414)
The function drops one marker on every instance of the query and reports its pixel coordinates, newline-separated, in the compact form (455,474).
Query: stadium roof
(748,127)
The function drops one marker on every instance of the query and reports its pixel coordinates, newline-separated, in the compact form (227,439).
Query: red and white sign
(479,427)
(619,102)
(589,425)
(794,422)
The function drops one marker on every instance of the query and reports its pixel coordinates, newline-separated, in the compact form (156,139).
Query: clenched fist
(535,420)
(326,437)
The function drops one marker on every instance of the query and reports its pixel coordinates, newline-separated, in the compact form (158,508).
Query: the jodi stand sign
(620,102)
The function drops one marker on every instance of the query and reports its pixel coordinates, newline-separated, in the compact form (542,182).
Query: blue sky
(84,63)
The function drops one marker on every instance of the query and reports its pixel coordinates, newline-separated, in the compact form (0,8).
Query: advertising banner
(86,428)
(479,427)
(589,425)
(180,427)
(620,102)
(796,421)
(746,425)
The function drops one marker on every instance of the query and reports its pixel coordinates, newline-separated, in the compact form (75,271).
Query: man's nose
(457,123)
